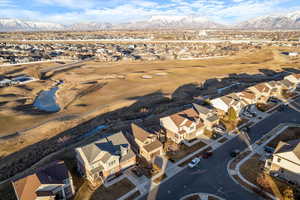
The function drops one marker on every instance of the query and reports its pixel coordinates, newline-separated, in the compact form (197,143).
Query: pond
(46,101)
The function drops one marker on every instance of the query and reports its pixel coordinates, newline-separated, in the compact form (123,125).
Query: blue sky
(117,11)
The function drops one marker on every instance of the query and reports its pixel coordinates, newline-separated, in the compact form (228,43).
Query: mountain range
(283,21)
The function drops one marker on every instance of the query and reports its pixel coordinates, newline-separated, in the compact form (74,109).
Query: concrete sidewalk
(257,149)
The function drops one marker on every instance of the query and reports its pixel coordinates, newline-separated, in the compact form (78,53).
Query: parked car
(235,153)
(194,162)
(273,100)
(247,114)
(207,154)
(219,128)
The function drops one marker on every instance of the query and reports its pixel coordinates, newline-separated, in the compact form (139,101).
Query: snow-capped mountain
(22,25)
(90,26)
(171,22)
(287,21)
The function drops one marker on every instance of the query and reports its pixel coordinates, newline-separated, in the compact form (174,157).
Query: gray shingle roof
(213,118)
(201,109)
(105,147)
(286,83)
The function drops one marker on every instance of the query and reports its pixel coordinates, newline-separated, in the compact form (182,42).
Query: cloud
(6,4)
(72,4)
(115,11)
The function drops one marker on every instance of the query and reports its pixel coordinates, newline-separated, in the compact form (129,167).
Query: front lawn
(195,156)
(242,121)
(252,168)
(113,192)
(264,107)
(230,125)
(253,171)
(133,196)
(183,151)
(145,168)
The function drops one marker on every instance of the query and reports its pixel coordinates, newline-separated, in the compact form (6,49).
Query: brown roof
(153,145)
(262,87)
(25,188)
(189,114)
(247,95)
(139,133)
(226,100)
(200,125)
(181,132)
(54,173)
(297,76)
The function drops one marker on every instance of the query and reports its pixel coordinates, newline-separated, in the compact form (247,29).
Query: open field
(93,88)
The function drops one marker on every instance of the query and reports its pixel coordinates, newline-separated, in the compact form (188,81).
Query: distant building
(50,183)
(293,53)
(5,82)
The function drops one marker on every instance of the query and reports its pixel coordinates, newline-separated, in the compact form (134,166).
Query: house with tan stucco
(285,162)
(104,158)
(148,144)
(183,125)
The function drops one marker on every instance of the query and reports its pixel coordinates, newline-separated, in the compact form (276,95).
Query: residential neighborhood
(122,154)
(150,100)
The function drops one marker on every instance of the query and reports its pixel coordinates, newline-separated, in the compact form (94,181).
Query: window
(278,159)
(112,163)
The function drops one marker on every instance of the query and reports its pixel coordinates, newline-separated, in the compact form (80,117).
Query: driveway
(212,176)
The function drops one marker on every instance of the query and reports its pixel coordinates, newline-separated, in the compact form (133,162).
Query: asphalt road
(212,176)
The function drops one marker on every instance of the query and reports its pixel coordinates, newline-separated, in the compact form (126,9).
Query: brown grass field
(94,88)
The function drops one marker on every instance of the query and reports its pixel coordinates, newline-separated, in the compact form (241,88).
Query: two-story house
(208,115)
(275,88)
(285,161)
(184,125)
(222,104)
(52,182)
(247,97)
(105,157)
(148,144)
(286,84)
(293,78)
(262,91)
